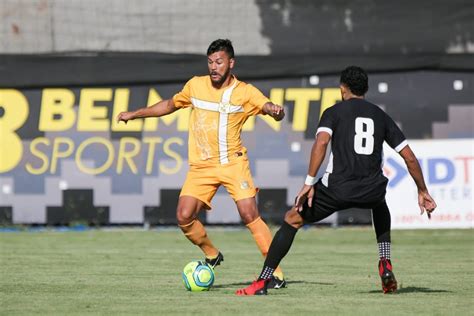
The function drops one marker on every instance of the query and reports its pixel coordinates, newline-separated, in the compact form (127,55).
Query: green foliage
(135,272)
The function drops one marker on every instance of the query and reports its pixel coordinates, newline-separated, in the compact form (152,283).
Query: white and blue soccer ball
(198,276)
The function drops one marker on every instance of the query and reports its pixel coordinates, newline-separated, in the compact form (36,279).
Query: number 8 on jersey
(364,136)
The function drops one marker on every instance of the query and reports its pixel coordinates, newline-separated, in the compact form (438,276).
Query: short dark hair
(355,78)
(221,45)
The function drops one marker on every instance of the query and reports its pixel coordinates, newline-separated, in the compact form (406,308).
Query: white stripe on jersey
(324,129)
(216,107)
(401,146)
(325,179)
(224,109)
(223,138)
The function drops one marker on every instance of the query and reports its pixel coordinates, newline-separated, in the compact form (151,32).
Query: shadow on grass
(413,289)
(223,286)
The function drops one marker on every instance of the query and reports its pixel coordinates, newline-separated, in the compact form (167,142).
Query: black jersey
(358,129)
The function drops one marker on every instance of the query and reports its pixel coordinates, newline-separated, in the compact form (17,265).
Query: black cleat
(216,261)
(276,283)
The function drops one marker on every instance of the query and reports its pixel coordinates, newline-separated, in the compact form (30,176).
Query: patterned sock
(384,250)
(267,273)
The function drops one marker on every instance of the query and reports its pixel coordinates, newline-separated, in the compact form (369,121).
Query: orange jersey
(217,118)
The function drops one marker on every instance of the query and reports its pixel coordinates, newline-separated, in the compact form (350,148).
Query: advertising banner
(64,158)
(448,167)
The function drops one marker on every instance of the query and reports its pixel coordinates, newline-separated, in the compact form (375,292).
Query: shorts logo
(244,185)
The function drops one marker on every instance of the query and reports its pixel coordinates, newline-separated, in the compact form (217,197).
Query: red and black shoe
(258,287)
(389,283)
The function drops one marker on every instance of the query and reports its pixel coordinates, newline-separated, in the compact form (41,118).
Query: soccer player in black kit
(357,130)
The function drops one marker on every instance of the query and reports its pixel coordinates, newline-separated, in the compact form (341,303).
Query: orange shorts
(202,182)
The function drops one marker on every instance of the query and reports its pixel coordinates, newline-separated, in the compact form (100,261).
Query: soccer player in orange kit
(220,106)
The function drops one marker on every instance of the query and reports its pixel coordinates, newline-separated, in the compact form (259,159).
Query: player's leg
(282,242)
(187,212)
(196,194)
(237,179)
(279,247)
(323,205)
(260,232)
(382,224)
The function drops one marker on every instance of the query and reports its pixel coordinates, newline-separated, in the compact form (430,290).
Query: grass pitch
(135,272)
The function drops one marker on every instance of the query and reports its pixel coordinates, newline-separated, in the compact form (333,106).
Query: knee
(248,211)
(249,217)
(288,217)
(184,215)
(293,218)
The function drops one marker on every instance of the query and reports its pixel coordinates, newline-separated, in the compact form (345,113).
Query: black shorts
(325,203)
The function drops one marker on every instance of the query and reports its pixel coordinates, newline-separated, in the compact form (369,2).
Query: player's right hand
(426,203)
(125,117)
(306,194)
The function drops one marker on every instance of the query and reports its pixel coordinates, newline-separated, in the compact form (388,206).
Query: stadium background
(68,67)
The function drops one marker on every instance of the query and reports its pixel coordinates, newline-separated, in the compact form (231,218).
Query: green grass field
(135,272)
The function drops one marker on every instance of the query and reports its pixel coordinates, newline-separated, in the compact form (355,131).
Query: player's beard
(223,78)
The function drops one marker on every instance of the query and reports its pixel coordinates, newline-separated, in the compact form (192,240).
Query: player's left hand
(426,203)
(276,111)
(306,193)
(125,117)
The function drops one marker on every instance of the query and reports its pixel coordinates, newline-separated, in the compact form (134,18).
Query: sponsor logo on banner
(448,169)
(54,140)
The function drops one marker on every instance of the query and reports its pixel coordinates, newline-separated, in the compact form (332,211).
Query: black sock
(382,224)
(280,246)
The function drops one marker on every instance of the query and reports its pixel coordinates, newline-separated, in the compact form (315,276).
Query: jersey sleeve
(393,135)
(256,100)
(327,122)
(182,99)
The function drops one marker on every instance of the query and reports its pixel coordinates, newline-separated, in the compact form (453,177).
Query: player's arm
(158,109)
(318,152)
(425,201)
(275,111)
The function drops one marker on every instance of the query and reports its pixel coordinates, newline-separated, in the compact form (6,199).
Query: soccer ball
(198,276)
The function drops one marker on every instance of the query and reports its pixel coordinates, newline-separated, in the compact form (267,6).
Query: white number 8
(361,147)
